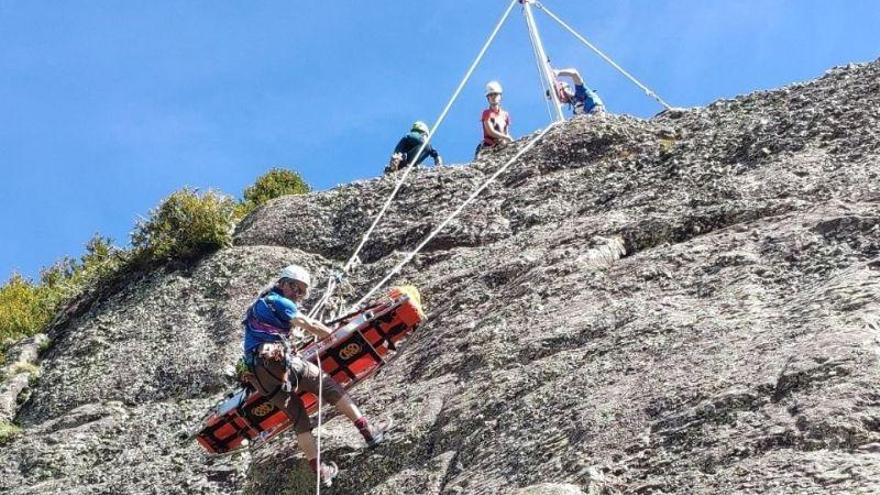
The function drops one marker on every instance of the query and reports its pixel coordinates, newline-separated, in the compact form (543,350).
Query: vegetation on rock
(27,307)
(274,183)
(186,225)
(8,431)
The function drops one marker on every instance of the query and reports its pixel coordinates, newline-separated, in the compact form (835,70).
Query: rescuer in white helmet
(279,376)
(495,120)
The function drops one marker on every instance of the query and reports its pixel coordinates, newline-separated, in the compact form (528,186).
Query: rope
(440,227)
(604,57)
(332,283)
(320,399)
(410,165)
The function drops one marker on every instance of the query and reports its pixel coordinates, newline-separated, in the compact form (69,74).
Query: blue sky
(110,106)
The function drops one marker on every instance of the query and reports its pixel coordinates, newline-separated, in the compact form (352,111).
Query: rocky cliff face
(689,304)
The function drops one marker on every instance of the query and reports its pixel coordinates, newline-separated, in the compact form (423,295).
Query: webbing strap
(454,214)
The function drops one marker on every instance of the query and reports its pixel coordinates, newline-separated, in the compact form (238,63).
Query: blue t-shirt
(268,319)
(585,98)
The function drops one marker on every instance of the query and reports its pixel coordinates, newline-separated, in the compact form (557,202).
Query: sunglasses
(298,289)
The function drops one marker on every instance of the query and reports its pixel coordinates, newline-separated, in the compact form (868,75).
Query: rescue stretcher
(358,347)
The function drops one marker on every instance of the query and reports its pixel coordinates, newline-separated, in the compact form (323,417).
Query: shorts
(270,378)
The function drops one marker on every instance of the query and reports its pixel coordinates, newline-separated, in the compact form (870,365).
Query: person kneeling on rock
(407,147)
(279,376)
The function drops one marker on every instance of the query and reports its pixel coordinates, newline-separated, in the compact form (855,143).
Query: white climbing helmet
(494,87)
(296,272)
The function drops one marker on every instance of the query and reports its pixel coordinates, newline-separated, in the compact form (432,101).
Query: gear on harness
(278,352)
(243,373)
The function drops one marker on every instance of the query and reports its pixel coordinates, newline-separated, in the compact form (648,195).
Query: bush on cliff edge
(274,183)
(27,307)
(186,225)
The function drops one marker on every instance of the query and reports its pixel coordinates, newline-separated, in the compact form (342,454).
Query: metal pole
(535,38)
(604,57)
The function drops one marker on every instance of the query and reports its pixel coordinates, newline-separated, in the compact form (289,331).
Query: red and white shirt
(499,120)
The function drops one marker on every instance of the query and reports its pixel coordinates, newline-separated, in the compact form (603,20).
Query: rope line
(536,49)
(410,166)
(543,67)
(332,283)
(461,207)
(604,57)
(320,400)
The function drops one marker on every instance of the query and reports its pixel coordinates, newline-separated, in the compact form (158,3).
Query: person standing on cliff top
(495,120)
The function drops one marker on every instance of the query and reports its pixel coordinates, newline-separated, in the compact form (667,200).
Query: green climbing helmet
(420,127)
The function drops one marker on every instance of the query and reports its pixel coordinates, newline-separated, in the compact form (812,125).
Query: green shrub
(8,431)
(101,259)
(186,225)
(68,277)
(26,308)
(59,282)
(274,183)
(45,345)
